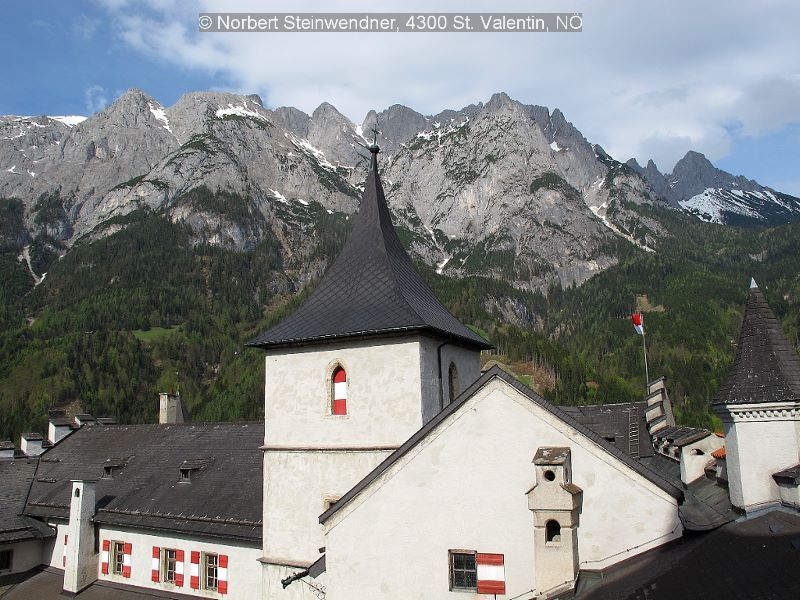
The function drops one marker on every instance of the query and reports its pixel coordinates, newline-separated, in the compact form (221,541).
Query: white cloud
(644,79)
(95,98)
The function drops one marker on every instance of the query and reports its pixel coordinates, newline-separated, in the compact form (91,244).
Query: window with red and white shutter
(491,573)
(179,558)
(127,550)
(155,564)
(222,574)
(339,406)
(194,570)
(104,556)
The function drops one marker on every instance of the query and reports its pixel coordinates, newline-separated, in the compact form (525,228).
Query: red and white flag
(638,324)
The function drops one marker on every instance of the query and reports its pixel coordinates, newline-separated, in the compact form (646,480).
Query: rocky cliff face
(499,189)
(716,196)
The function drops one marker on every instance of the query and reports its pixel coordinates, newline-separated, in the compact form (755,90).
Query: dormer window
(113,467)
(189,469)
(339,391)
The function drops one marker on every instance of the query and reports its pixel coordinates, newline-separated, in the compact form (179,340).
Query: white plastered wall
(756,448)
(465,486)
(27,554)
(383,394)
(695,457)
(244,574)
(468,367)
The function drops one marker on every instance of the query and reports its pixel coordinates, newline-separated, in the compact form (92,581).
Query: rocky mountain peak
(292,119)
(396,124)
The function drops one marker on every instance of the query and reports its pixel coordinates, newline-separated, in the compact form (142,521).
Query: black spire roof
(372,288)
(766,367)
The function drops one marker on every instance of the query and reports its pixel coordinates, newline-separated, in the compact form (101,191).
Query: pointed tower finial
(374,148)
(753,283)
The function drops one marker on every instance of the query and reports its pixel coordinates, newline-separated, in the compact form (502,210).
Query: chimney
(58,428)
(171,409)
(31,444)
(84,419)
(6,450)
(80,567)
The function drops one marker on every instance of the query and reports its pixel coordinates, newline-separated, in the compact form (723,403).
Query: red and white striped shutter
(156,564)
(194,571)
(127,550)
(491,574)
(340,392)
(222,574)
(64,558)
(179,568)
(104,557)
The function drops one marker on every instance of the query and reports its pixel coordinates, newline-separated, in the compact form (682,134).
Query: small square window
(6,560)
(117,557)
(210,571)
(169,561)
(463,570)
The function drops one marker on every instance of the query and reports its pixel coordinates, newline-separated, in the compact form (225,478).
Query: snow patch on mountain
(712,204)
(240,111)
(69,120)
(160,114)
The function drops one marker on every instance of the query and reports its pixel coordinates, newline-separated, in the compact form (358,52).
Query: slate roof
(649,474)
(766,367)
(372,288)
(790,475)
(681,436)
(16,477)
(47,584)
(223,499)
(613,422)
(759,558)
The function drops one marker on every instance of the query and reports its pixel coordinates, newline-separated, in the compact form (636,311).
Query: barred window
(463,570)
(117,557)
(169,561)
(211,571)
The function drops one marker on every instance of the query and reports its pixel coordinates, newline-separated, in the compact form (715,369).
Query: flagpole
(646,370)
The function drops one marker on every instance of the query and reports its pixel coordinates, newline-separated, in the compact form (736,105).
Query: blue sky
(644,79)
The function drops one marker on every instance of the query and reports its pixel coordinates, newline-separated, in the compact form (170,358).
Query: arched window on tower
(552,532)
(452,382)
(339,391)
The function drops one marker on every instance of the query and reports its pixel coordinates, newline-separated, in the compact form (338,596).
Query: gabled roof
(766,367)
(372,288)
(16,477)
(497,372)
(223,499)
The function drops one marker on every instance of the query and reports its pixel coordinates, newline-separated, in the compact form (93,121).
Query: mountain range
(501,189)
(141,247)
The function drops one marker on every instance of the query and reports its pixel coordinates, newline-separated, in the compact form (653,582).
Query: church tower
(759,405)
(368,359)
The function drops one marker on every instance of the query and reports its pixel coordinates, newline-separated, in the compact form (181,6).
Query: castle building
(388,466)
(366,361)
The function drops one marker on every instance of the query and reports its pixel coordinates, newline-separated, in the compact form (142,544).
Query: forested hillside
(146,309)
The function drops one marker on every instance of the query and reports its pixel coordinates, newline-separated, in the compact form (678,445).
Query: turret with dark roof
(766,367)
(371,289)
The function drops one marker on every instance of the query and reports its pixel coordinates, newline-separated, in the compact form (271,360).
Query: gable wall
(465,486)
